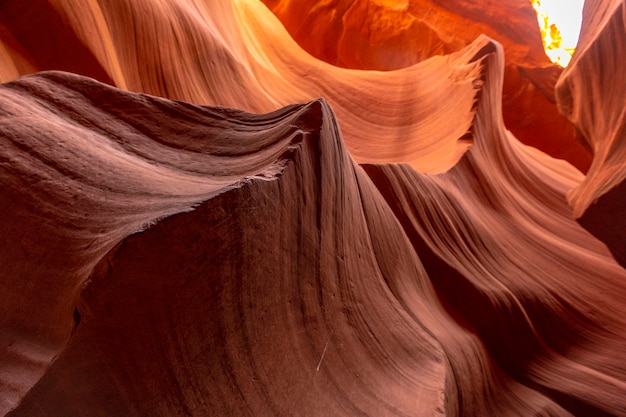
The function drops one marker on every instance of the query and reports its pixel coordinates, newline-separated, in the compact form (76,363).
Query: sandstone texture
(236,208)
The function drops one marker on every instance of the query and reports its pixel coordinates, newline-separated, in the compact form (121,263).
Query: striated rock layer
(391,34)
(383,251)
(296,285)
(237,54)
(590,93)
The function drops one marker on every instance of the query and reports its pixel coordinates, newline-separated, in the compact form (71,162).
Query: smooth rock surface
(392,34)
(389,249)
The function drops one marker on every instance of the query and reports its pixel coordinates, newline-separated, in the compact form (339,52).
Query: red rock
(387,35)
(390,249)
(590,96)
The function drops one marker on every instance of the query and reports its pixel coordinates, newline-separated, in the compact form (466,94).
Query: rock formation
(392,34)
(200,218)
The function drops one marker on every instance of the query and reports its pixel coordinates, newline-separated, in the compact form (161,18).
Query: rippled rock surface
(200,218)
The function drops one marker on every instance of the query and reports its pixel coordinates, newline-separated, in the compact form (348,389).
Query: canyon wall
(367,208)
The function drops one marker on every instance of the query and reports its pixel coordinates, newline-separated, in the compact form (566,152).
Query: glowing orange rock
(247,60)
(390,35)
(160,257)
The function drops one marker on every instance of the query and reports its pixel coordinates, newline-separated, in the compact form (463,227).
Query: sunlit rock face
(392,34)
(201,218)
(239,55)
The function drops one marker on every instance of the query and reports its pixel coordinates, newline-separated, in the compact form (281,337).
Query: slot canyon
(310,208)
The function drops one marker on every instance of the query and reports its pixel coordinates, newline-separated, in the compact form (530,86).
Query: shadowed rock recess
(199,218)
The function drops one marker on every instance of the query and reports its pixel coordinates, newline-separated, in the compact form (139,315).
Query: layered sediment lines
(285,281)
(237,54)
(390,249)
(590,93)
(392,34)
(83,167)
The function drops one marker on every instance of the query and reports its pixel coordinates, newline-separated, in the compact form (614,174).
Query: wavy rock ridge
(167,258)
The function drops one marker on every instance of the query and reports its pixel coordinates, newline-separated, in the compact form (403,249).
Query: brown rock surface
(590,93)
(167,258)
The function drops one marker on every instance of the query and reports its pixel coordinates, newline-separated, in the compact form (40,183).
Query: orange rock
(375,34)
(215,248)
